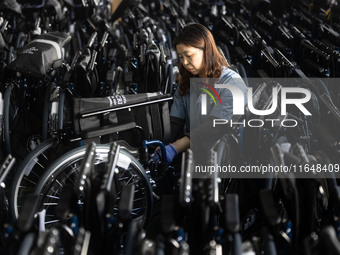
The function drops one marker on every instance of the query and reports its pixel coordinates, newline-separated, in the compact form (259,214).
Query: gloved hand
(170,150)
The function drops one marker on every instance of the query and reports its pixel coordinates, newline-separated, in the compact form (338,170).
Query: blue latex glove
(171,152)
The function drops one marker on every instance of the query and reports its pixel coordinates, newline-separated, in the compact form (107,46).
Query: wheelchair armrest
(108,129)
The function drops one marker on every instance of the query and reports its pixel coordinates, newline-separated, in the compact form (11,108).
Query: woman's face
(191,58)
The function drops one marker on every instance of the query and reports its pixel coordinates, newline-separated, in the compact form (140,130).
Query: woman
(199,58)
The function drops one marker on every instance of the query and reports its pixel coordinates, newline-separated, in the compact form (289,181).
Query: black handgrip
(264,19)
(26,218)
(214,186)
(297,32)
(93,60)
(283,58)
(75,59)
(104,39)
(258,93)
(237,244)
(50,243)
(277,154)
(143,37)
(111,166)
(108,194)
(267,52)
(142,54)
(307,44)
(247,38)
(270,211)
(329,242)
(232,214)
(284,30)
(86,166)
(66,202)
(162,54)
(270,247)
(327,100)
(330,30)
(292,159)
(82,243)
(230,25)
(167,214)
(185,189)
(126,202)
(92,39)
(130,240)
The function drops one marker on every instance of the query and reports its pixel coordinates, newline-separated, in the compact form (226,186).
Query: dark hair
(198,36)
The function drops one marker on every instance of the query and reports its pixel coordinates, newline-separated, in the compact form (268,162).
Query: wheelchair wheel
(29,173)
(65,171)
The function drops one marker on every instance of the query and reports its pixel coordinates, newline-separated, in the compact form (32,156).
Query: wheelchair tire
(28,174)
(65,170)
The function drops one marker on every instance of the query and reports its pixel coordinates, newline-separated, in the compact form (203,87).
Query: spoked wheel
(29,173)
(65,171)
